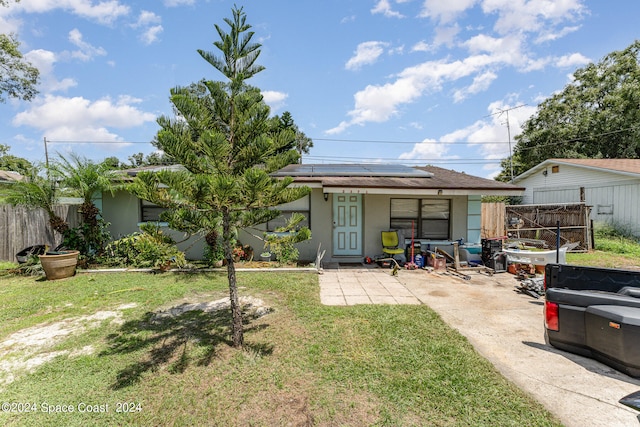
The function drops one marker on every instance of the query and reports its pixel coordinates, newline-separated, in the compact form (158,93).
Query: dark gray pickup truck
(594,312)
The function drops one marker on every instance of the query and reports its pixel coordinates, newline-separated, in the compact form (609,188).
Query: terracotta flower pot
(60,264)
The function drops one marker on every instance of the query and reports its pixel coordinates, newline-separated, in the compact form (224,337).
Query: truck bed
(598,313)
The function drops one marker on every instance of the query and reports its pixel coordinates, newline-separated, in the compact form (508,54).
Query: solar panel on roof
(380,170)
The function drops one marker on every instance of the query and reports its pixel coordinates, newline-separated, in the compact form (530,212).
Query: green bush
(213,253)
(282,242)
(89,240)
(615,229)
(616,237)
(149,249)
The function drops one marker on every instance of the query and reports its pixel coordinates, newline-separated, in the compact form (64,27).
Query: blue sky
(404,81)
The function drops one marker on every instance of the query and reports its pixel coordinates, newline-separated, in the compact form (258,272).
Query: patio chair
(390,243)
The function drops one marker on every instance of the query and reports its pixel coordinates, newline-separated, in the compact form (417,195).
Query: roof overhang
(410,191)
(545,164)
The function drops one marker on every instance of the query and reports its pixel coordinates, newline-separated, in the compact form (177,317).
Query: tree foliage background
(18,78)
(597,115)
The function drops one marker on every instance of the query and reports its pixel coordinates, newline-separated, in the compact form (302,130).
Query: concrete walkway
(363,286)
(506,328)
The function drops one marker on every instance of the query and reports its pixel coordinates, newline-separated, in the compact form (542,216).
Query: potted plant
(60,264)
(265,256)
(213,250)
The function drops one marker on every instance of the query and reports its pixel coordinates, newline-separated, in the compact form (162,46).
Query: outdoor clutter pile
(532,286)
(491,256)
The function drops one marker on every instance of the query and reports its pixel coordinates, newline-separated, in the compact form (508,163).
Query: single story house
(350,205)
(610,186)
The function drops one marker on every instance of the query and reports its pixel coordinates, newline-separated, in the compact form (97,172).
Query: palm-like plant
(85,178)
(38,192)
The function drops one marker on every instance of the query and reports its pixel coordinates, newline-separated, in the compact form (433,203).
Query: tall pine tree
(221,136)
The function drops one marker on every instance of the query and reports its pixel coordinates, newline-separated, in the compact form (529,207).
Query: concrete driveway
(506,328)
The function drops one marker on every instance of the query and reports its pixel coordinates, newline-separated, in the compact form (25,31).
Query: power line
(98,142)
(369,141)
(372,141)
(582,138)
(417,160)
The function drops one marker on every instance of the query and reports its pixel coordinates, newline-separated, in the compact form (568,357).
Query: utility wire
(407,142)
(370,141)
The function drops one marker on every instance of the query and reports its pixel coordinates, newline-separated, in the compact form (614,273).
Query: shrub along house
(350,205)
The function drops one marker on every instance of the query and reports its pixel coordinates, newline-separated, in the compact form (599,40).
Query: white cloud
(342,126)
(174,3)
(274,99)
(366,53)
(489,136)
(105,12)
(421,46)
(572,60)
(150,35)
(378,103)
(147,18)
(44,60)
(9,25)
(80,119)
(492,134)
(507,50)
(555,34)
(347,19)
(445,11)
(480,84)
(86,51)
(446,35)
(429,149)
(533,15)
(384,7)
(149,23)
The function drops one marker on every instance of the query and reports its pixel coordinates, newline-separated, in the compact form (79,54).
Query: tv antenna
(506,111)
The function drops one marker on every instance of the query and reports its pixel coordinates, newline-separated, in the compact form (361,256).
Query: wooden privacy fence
(21,227)
(540,223)
(493,224)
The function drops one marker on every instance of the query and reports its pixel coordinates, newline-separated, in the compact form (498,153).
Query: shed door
(347,224)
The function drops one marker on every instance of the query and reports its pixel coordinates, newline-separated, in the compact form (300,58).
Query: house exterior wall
(376,211)
(375,215)
(122,211)
(614,197)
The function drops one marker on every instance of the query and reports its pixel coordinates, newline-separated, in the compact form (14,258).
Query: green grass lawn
(611,252)
(304,363)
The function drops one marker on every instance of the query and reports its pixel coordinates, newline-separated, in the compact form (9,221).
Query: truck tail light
(545,281)
(551,315)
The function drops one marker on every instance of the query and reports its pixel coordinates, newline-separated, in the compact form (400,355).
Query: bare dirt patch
(253,306)
(25,350)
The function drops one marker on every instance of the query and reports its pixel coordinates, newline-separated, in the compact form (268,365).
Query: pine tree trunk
(237,331)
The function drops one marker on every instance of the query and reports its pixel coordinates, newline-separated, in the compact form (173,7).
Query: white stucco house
(350,205)
(610,186)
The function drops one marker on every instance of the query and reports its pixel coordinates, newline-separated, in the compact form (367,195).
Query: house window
(604,209)
(429,218)
(555,169)
(150,212)
(288,209)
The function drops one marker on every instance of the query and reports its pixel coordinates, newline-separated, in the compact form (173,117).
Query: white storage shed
(610,186)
